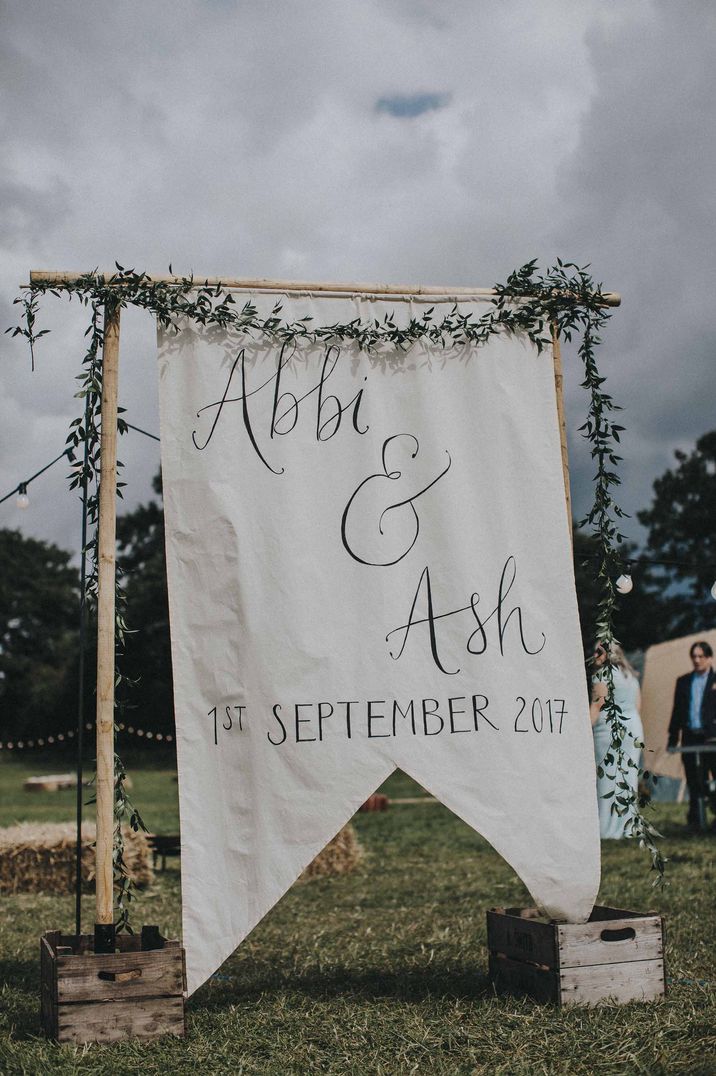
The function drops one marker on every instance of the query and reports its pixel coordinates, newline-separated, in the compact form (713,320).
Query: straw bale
(340,856)
(40,857)
(50,782)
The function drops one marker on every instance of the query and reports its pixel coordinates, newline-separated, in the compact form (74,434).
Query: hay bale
(57,782)
(51,782)
(340,856)
(40,857)
(376,802)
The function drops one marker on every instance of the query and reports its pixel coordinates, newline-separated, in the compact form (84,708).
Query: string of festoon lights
(20,490)
(624,584)
(63,737)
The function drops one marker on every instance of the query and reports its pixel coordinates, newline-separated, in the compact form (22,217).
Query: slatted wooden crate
(137,992)
(616,956)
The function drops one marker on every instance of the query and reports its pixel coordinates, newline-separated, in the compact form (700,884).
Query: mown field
(383,971)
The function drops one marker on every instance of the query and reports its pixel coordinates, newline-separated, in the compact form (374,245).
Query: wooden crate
(616,956)
(135,993)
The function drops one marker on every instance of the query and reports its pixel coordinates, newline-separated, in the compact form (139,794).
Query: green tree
(147,698)
(682,530)
(39,637)
(640,616)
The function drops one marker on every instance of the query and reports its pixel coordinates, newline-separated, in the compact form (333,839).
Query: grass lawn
(383,971)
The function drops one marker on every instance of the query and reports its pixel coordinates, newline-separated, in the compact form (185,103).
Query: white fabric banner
(369,567)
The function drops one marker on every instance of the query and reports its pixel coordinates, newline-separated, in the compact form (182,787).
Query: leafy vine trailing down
(85,431)
(564,296)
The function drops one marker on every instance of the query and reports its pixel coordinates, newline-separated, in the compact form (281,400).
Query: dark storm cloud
(407,106)
(641,206)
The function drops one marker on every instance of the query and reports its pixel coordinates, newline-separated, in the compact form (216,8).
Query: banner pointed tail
(550,837)
(235,873)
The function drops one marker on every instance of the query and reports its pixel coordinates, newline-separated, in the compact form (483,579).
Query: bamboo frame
(104,919)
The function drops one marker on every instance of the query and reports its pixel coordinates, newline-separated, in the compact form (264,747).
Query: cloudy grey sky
(406,141)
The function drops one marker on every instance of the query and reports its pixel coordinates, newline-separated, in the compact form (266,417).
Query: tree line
(39,602)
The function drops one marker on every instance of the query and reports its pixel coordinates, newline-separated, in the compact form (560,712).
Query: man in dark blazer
(693,722)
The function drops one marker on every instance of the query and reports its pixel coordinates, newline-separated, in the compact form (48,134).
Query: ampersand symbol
(380,540)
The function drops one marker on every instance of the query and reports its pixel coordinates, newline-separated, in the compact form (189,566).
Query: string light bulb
(625,584)
(713,592)
(23,501)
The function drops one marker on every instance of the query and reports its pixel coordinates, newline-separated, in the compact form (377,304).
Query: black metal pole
(701,792)
(81,692)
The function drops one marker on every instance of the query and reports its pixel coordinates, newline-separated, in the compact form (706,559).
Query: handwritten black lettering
(322,717)
(430,620)
(302,721)
(480,710)
(286,407)
(348,714)
(334,420)
(284,734)
(453,713)
(375,717)
(406,524)
(432,711)
(507,581)
(398,710)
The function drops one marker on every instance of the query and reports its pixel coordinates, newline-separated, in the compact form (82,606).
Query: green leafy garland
(565,297)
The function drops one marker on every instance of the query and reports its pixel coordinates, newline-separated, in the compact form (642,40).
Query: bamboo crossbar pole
(395,291)
(104,918)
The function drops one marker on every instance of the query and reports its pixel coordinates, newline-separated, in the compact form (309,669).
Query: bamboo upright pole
(104,917)
(561,419)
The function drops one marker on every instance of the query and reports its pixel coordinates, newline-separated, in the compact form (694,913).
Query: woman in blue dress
(628,698)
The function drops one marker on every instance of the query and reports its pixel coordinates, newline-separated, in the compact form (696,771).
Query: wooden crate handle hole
(120,976)
(625,934)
